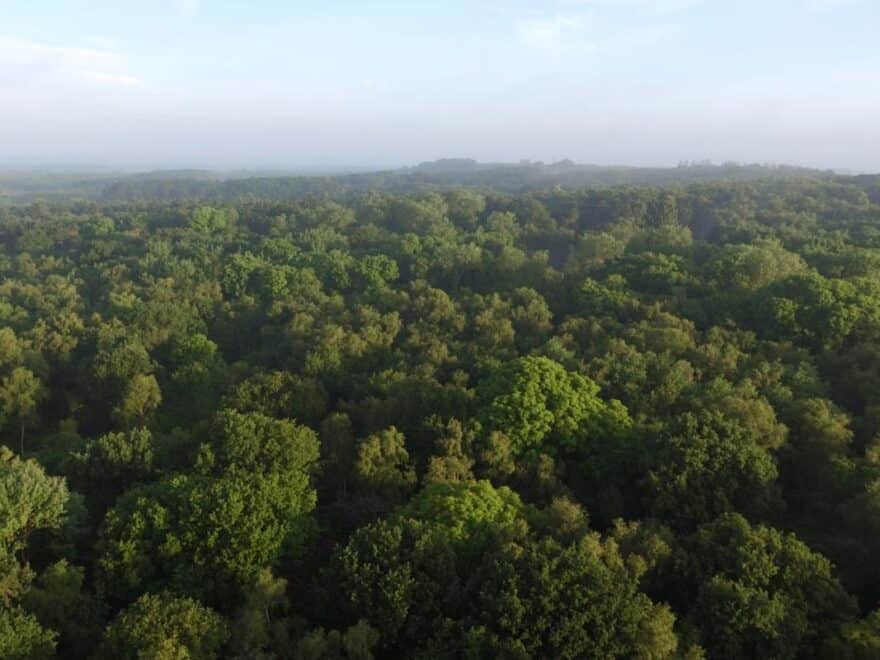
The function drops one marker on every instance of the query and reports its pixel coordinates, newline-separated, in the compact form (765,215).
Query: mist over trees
(441,175)
(448,412)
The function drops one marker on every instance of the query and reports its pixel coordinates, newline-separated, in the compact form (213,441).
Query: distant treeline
(438,175)
(180,185)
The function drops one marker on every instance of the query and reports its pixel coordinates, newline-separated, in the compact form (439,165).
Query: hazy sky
(298,83)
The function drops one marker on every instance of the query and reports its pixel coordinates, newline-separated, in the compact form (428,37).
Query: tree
(20,394)
(252,443)
(119,358)
(208,220)
(663,211)
(261,624)
(59,603)
(496,457)
(197,373)
(744,269)
(653,273)
(813,311)
(705,464)
(208,537)
(420,215)
(857,640)
(465,207)
(816,466)
(452,460)
(401,575)
(29,501)
(540,405)
(338,451)
(468,512)
(758,592)
(376,270)
(549,600)
(377,415)
(745,406)
(383,466)
(164,626)
(356,643)
(280,394)
(22,637)
(411,570)
(10,348)
(142,397)
(112,463)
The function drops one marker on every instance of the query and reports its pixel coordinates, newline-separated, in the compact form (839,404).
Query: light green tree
(540,405)
(383,465)
(20,394)
(164,627)
(141,399)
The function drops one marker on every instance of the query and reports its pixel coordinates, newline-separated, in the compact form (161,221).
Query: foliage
(541,405)
(466,511)
(759,591)
(206,536)
(548,600)
(22,637)
(381,415)
(383,465)
(706,465)
(29,501)
(164,626)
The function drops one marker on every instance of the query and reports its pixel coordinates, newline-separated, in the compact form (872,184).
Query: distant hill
(25,185)
(174,185)
(528,175)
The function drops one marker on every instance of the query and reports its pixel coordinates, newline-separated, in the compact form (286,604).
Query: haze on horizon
(344,83)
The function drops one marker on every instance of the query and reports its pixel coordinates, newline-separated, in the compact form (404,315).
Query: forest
(436,176)
(468,422)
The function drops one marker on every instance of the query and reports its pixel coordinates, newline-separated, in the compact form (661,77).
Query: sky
(303,84)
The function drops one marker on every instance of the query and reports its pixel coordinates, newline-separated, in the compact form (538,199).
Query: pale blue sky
(268,83)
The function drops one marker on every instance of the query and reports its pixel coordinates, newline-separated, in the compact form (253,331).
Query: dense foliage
(622,422)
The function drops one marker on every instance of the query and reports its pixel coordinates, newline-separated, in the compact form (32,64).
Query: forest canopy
(503,420)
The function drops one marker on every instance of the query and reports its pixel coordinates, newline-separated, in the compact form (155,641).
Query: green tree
(141,399)
(758,592)
(817,469)
(252,443)
(814,311)
(452,461)
(58,600)
(577,601)
(112,463)
(465,207)
(29,501)
(410,571)
(355,643)
(280,394)
(261,622)
(468,512)
(20,394)
(22,637)
(338,451)
(401,575)
(540,405)
(383,466)
(857,640)
(744,269)
(705,464)
(164,626)
(204,536)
